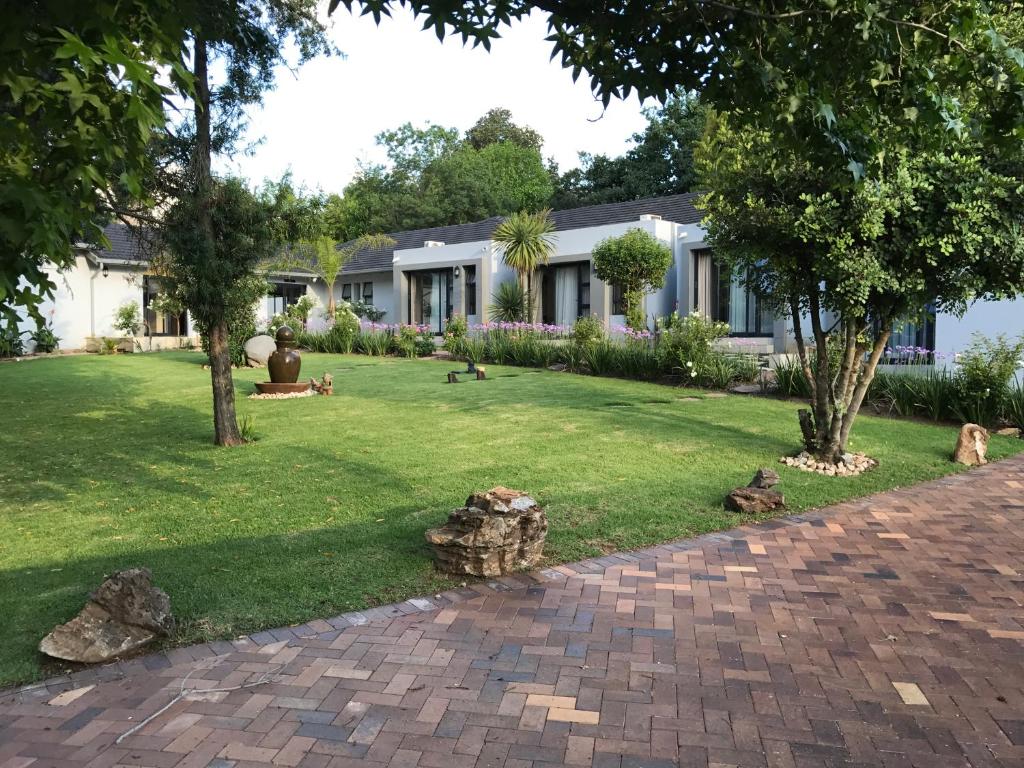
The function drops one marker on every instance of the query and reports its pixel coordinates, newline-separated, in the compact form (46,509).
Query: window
(618,306)
(282,296)
(368,293)
(346,292)
(164,324)
(470,272)
(724,297)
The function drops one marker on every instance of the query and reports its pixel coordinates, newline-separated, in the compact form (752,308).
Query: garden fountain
(284,365)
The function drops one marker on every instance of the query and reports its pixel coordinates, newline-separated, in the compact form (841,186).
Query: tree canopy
(637,262)
(660,162)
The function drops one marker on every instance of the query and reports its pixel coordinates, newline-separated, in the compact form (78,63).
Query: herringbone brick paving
(887,631)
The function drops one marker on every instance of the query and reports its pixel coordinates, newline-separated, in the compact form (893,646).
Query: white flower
(693,374)
(689,364)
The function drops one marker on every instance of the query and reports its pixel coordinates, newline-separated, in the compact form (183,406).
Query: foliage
(497,127)
(686,346)
(362,309)
(434,178)
(587,330)
(637,262)
(82,87)
(984,376)
(128,318)
(1015,407)
(109,346)
(247,426)
(44,339)
(326,258)
(455,333)
(11,343)
(935,228)
(509,302)
(660,162)
(374,340)
(526,241)
(295,316)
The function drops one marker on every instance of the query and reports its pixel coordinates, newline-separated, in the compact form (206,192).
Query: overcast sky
(322,121)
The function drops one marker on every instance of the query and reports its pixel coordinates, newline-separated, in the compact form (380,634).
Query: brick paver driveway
(887,631)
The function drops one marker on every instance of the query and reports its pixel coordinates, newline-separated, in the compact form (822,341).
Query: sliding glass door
(565,293)
(722,296)
(430,298)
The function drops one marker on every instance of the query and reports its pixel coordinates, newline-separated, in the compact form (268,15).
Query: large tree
(433,177)
(81,94)
(936,227)
(246,41)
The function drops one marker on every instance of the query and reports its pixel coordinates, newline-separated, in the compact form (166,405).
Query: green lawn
(106,462)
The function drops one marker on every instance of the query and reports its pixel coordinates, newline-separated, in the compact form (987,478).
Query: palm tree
(326,259)
(526,241)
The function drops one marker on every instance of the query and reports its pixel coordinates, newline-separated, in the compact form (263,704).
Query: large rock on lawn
(125,613)
(496,533)
(758,497)
(971,445)
(258,350)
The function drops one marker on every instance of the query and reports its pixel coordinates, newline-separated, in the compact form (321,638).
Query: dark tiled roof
(677,208)
(125,244)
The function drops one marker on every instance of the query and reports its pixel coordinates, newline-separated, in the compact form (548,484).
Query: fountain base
(272,388)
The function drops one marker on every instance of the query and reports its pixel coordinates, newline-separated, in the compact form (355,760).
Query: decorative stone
(971,445)
(496,533)
(755,501)
(125,613)
(764,478)
(258,350)
(849,464)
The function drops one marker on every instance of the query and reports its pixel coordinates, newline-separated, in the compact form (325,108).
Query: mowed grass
(107,463)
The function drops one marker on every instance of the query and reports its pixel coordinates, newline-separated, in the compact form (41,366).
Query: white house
(429,274)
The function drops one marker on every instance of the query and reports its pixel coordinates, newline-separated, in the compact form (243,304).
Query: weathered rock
(971,445)
(764,478)
(1010,432)
(496,533)
(123,614)
(755,500)
(258,350)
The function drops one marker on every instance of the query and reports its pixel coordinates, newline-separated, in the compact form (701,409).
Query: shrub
(600,357)
(509,302)
(413,341)
(374,340)
(45,339)
(638,262)
(687,344)
(790,380)
(475,350)
(983,378)
(587,330)
(368,311)
(1015,408)
(635,359)
(345,329)
(499,347)
(108,346)
(128,319)
(455,333)
(11,344)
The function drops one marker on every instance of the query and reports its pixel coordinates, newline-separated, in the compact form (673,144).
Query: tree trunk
(331,307)
(529,296)
(225,424)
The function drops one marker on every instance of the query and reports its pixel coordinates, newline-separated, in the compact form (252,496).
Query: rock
(123,614)
(496,533)
(258,350)
(754,500)
(764,478)
(971,445)
(557,367)
(1010,432)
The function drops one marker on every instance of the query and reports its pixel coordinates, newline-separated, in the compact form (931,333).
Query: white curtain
(566,289)
(738,307)
(704,300)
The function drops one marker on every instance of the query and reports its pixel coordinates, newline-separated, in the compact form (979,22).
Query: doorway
(430,298)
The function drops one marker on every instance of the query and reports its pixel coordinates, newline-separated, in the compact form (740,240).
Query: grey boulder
(258,350)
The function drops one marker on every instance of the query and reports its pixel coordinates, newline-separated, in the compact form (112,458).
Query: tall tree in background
(498,127)
(659,163)
(433,177)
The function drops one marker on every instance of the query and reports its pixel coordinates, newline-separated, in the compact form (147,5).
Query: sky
(322,120)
